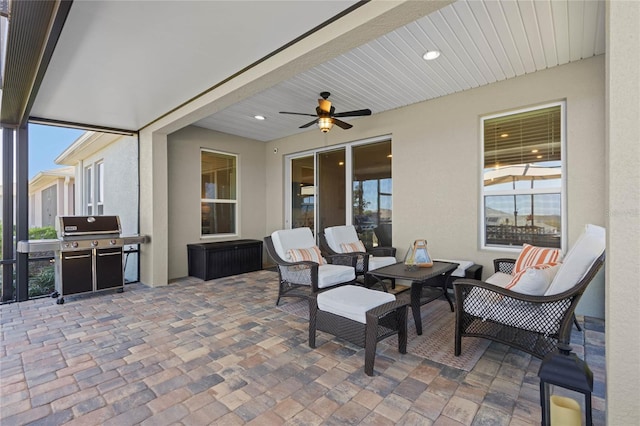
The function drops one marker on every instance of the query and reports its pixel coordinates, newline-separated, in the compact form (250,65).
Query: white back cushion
(296,238)
(576,263)
(336,235)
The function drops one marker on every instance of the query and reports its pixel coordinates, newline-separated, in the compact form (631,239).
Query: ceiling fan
(326,116)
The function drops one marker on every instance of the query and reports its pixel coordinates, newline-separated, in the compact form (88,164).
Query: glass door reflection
(303,192)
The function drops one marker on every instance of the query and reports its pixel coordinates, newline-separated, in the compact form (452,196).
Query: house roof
(47,178)
(86,145)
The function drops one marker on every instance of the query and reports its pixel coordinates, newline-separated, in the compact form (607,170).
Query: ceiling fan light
(325,124)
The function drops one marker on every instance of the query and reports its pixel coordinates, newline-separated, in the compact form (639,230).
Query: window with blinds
(522,192)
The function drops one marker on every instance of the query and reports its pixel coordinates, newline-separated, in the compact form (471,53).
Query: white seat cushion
(463,265)
(330,275)
(336,235)
(376,262)
(500,279)
(286,239)
(590,245)
(352,302)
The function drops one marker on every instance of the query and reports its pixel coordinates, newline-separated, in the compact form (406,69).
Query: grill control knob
(113,242)
(94,243)
(74,244)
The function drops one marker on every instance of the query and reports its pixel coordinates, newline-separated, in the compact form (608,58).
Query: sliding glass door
(371,180)
(346,185)
(331,188)
(303,191)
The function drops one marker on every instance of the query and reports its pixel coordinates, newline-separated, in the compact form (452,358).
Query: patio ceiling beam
(33,32)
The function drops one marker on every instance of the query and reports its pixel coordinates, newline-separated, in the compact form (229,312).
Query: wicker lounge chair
(336,239)
(372,317)
(302,278)
(531,323)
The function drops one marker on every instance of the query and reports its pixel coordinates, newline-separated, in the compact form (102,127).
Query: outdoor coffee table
(427,284)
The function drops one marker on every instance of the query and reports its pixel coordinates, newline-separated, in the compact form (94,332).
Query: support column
(623,206)
(22,211)
(8,248)
(154,208)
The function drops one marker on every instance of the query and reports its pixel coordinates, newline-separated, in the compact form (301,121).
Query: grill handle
(79,256)
(113,253)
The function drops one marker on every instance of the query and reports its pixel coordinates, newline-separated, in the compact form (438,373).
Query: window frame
(524,191)
(99,187)
(93,183)
(235,201)
(88,180)
(348,146)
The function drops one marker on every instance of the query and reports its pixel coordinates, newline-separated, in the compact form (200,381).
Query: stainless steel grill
(89,254)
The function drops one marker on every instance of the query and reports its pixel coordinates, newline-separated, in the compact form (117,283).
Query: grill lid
(88,225)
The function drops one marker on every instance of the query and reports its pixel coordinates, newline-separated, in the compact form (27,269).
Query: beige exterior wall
(623,213)
(436,162)
(183,152)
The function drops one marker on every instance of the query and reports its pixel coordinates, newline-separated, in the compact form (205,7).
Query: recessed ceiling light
(534,150)
(390,156)
(431,55)
(538,156)
(504,135)
(259,117)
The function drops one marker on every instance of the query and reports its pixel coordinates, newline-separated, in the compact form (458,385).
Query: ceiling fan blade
(311,123)
(298,113)
(342,124)
(324,105)
(355,113)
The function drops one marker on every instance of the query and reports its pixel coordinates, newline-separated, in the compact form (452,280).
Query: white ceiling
(124,64)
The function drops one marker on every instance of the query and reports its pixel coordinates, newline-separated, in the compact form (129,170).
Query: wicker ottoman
(361,316)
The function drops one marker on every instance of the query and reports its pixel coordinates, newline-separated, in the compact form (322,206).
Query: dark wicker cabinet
(221,259)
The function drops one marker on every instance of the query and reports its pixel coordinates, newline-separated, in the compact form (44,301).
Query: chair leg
(313,309)
(575,321)
(401,321)
(370,343)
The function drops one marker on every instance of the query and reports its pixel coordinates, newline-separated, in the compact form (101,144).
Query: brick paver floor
(219,352)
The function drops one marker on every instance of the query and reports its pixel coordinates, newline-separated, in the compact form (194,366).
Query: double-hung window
(219,199)
(523,178)
(94,188)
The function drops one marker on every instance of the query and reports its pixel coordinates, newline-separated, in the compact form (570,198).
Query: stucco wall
(184,189)
(120,181)
(623,214)
(436,162)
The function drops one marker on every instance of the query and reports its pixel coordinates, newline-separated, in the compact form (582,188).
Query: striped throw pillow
(532,255)
(353,247)
(311,254)
(534,280)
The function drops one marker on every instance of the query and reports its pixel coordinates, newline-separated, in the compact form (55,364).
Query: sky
(46,143)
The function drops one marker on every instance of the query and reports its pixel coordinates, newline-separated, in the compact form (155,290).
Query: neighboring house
(105,167)
(50,195)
